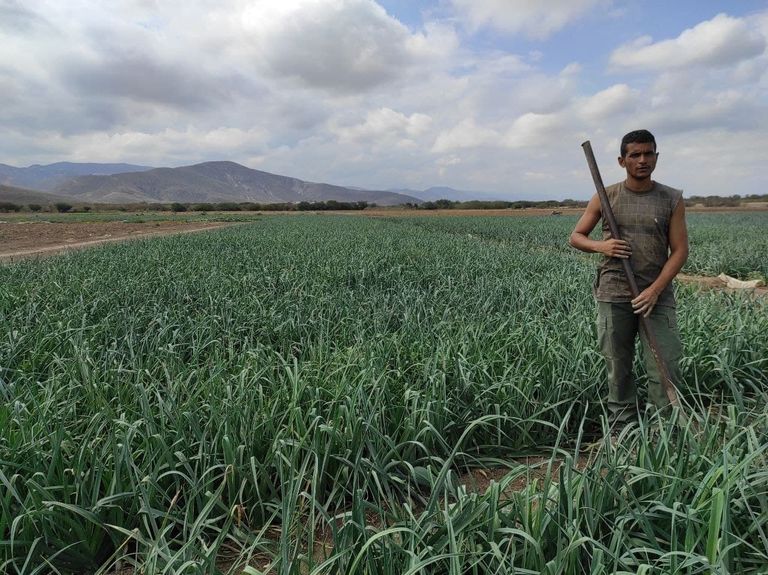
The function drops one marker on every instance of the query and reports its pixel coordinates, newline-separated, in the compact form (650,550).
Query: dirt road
(30,239)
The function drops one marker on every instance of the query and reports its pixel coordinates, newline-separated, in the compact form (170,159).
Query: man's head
(638,157)
(637,137)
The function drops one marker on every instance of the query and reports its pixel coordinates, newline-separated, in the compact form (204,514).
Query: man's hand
(616,249)
(644,303)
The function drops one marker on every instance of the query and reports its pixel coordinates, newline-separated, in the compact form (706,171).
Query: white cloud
(438,42)
(531,130)
(719,42)
(614,100)
(383,124)
(714,160)
(334,45)
(466,134)
(537,19)
(176,147)
(540,176)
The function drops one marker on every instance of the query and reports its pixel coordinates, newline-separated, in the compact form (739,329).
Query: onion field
(309,394)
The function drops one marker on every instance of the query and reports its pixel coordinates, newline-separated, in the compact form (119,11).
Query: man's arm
(580,236)
(644,303)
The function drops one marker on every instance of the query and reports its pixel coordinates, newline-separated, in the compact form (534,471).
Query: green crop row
(303,392)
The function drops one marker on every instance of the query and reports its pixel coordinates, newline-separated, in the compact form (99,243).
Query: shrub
(9,207)
(228,207)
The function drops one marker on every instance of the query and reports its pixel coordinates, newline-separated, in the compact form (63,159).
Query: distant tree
(62,207)
(9,207)
(275,207)
(35,207)
(177,207)
(86,209)
(227,207)
(203,208)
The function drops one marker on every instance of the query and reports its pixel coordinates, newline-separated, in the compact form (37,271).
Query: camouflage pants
(617,330)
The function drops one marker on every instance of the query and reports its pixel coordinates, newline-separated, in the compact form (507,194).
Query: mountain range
(206,182)
(46,178)
(17,196)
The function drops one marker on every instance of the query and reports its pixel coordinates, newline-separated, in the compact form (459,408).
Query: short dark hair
(637,137)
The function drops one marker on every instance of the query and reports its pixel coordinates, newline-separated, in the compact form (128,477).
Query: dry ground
(30,239)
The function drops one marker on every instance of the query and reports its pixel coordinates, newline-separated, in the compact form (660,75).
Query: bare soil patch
(479,480)
(20,240)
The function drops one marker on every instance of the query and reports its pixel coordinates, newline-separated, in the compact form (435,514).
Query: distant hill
(23,196)
(444,193)
(214,182)
(48,177)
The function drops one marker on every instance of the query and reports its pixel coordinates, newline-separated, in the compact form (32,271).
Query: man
(651,221)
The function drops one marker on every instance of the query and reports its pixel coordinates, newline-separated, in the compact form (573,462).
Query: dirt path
(31,239)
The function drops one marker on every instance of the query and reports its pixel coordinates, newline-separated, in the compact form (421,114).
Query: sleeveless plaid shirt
(643,219)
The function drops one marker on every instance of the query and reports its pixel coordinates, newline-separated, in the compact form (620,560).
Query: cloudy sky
(483,95)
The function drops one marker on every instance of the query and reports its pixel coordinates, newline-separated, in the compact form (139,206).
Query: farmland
(304,394)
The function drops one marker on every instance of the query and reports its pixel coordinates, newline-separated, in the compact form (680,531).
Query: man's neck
(635,185)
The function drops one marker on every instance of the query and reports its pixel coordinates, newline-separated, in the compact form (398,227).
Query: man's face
(640,160)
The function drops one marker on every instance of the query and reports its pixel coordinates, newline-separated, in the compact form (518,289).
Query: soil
(19,240)
(478,480)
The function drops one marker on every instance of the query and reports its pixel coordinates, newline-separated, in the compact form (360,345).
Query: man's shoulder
(669,191)
(613,190)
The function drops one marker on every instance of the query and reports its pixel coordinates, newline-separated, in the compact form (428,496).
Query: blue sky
(492,96)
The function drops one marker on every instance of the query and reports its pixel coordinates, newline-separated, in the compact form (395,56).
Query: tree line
(734,200)
(64,207)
